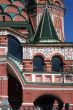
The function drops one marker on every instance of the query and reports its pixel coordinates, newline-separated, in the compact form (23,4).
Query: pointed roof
(45,31)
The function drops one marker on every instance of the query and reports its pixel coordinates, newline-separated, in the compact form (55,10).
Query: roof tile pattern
(12,9)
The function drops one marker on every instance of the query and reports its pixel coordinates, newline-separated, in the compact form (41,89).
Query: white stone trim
(3,96)
(5,32)
(71,104)
(53,78)
(29,88)
(27,103)
(33,77)
(3,62)
(5,50)
(32,104)
(3,78)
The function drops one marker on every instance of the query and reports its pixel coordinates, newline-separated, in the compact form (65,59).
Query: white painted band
(32,104)
(3,78)
(27,104)
(3,96)
(28,88)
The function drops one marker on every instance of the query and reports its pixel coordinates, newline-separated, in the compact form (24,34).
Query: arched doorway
(15,92)
(48,101)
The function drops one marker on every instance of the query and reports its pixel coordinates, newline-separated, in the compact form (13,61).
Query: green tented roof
(45,30)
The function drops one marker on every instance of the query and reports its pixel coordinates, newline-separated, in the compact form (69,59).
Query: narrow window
(4,18)
(57,64)
(14,47)
(38,63)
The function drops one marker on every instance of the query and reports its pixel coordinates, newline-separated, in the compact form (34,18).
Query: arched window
(38,63)
(14,47)
(57,64)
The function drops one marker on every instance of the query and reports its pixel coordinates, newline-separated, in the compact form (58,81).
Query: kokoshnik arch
(36,65)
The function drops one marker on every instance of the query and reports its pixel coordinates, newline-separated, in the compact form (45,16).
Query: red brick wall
(29,96)
(3,39)
(3,70)
(33,20)
(3,82)
(28,65)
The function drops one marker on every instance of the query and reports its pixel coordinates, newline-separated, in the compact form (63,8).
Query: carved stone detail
(48,52)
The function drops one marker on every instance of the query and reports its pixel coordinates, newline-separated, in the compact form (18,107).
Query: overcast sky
(68,20)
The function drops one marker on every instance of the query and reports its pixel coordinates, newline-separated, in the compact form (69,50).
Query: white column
(33,77)
(53,78)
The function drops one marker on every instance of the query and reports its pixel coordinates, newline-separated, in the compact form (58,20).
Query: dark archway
(15,93)
(38,64)
(46,102)
(57,64)
(14,47)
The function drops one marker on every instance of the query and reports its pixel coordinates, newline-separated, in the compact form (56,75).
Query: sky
(68,20)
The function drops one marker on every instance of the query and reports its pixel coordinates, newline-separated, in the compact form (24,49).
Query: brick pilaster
(4,89)
(48,66)
(28,66)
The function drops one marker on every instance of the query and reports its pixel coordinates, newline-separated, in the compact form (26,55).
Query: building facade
(36,64)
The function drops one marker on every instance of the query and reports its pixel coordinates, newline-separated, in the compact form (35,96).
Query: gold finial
(46,1)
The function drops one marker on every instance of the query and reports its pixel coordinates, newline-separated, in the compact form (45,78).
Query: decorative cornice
(13,31)
(65,44)
(51,5)
(56,89)
(3,78)
(3,58)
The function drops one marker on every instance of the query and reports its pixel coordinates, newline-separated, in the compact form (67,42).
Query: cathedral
(36,64)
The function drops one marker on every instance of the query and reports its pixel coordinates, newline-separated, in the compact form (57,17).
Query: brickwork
(34,83)
(36,91)
(3,83)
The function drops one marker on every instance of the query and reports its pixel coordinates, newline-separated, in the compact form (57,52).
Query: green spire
(45,31)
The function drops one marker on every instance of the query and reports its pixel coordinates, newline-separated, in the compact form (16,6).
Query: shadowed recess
(46,102)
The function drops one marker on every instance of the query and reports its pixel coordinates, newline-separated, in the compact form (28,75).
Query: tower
(56,10)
